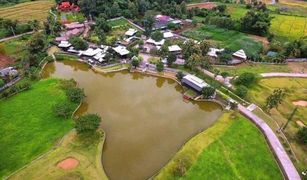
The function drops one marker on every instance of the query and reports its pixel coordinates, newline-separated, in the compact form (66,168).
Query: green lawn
(225,38)
(233,148)
(28,125)
(118,22)
(254,68)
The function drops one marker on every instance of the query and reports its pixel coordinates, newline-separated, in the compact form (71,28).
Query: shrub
(302,135)
(2,83)
(179,75)
(208,92)
(88,123)
(246,79)
(160,66)
(75,94)
(78,43)
(241,91)
(63,110)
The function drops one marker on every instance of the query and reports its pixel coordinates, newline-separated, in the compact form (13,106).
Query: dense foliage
(88,123)
(302,135)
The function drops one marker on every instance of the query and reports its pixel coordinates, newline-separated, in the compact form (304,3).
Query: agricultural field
(224,151)
(255,68)
(295,91)
(28,125)
(34,10)
(283,26)
(86,151)
(225,38)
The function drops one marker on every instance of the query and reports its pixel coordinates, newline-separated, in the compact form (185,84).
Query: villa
(194,82)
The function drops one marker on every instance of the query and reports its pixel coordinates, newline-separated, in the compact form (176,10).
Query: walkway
(281,155)
(17,36)
(294,75)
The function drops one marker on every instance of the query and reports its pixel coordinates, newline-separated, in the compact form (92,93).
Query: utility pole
(290,118)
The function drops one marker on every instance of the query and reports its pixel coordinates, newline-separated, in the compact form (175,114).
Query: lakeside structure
(194,82)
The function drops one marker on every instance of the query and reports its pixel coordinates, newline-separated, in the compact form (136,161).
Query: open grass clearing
(225,38)
(296,89)
(15,48)
(224,151)
(254,68)
(28,125)
(34,10)
(87,151)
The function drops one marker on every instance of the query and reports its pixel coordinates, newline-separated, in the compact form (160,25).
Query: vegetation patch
(233,147)
(28,125)
(232,40)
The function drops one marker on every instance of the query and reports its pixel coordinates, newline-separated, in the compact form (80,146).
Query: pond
(145,118)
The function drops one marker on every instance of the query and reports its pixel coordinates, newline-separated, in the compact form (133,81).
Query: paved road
(297,75)
(284,161)
(17,36)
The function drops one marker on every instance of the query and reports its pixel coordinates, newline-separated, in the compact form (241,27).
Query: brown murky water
(145,118)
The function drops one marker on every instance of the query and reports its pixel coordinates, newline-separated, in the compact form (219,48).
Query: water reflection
(144,117)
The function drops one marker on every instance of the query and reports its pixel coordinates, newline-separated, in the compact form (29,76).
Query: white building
(131,32)
(240,55)
(213,52)
(156,43)
(194,82)
(64,44)
(174,48)
(90,52)
(168,35)
(121,50)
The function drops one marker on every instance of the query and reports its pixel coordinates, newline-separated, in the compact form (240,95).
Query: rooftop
(121,50)
(131,32)
(174,48)
(240,54)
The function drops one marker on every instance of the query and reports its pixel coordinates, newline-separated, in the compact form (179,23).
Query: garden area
(28,126)
(224,151)
(224,38)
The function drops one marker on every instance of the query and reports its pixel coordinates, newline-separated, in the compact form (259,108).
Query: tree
(275,98)
(257,22)
(148,24)
(160,66)
(302,135)
(204,47)
(63,110)
(2,83)
(102,24)
(224,58)
(224,74)
(290,118)
(78,43)
(179,75)
(75,94)
(157,36)
(135,62)
(194,61)
(247,79)
(208,92)
(171,59)
(37,43)
(241,91)
(87,124)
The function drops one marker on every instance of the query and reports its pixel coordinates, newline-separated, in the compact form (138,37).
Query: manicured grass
(254,68)
(225,38)
(231,149)
(118,22)
(86,151)
(295,90)
(34,10)
(28,125)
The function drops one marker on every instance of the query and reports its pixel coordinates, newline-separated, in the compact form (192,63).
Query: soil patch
(298,67)
(206,5)
(68,163)
(5,61)
(300,103)
(261,39)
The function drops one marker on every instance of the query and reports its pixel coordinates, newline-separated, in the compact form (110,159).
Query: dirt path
(17,36)
(294,75)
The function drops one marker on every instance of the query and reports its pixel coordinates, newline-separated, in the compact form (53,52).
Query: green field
(28,125)
(254,68)
(295,90)
(33,10)
(231,149)
(86,151)
(118,22)
(225,38)
(15,48)
(283,26)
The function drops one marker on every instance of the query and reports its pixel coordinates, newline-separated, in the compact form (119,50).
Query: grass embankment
(295,90)
(28,125)
(254,68)
(16,48)
(118,67)
(86,150)
(34,10)
(225,38)
(231,149)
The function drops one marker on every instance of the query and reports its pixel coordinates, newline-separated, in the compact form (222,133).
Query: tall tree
(275,98)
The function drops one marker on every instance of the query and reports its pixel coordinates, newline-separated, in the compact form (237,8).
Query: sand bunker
(300,103)
(68,163)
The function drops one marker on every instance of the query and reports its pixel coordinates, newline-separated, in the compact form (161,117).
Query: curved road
(294,75)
